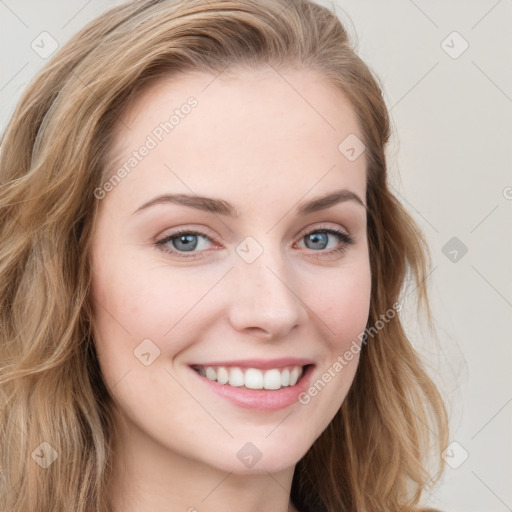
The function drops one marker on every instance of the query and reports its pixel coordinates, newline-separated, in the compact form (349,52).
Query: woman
(258,372)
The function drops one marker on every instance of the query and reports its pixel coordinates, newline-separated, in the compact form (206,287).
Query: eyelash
(345,241)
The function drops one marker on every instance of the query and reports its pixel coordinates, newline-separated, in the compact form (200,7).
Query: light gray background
(450,164)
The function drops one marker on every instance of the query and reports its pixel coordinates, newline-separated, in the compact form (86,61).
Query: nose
(266,299)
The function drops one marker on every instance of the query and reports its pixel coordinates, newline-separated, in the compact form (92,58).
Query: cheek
(135,301)
(341,310)
(343,304)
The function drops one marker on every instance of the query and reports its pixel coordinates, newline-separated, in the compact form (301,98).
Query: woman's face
(238,277)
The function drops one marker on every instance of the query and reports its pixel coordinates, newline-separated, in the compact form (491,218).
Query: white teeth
(222,375)
(294,375)
(252,378)
(285,377)
(211,374)
(236,377)
(273,380)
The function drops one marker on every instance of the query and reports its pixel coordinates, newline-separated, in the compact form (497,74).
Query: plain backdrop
(446,72)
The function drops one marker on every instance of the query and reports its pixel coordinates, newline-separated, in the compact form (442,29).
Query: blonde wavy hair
(374,455)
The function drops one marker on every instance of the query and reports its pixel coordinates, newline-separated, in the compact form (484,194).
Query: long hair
(56,423)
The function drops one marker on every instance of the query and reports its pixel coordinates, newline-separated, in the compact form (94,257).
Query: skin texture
(264,141)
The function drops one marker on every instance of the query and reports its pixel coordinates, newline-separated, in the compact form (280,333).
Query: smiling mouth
(253,378)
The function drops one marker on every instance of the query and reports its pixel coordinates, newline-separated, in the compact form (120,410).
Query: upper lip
(264,364)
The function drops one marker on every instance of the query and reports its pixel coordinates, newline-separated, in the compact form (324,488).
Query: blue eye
(187,241)
(321,237)
(182,240)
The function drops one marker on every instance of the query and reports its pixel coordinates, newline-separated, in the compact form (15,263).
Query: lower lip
(260,399)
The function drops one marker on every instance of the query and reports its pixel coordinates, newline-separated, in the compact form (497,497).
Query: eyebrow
(222,207)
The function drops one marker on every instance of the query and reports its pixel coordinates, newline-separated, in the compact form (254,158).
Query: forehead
(290,93)
(248,128)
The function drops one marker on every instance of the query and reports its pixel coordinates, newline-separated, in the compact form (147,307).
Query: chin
(260,457)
